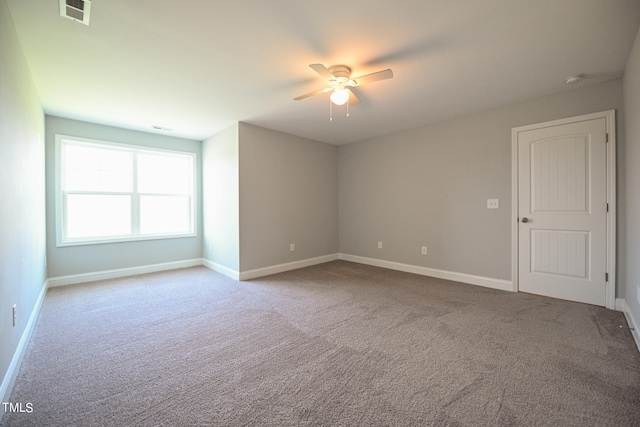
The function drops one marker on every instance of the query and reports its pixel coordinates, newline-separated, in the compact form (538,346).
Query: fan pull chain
(330,110)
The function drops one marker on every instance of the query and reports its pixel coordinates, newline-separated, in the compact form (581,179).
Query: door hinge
(607,207)
(606,137)
(606,277)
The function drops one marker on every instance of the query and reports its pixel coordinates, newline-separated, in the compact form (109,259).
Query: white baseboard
(487,282)
(279,268)
(621,305)
(121,272)
(18,355)
(234,274)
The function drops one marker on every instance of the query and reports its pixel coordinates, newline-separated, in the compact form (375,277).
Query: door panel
(559,182)
(564,253)
(562,194)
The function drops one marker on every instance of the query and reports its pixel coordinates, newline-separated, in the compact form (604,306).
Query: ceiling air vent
(78,10)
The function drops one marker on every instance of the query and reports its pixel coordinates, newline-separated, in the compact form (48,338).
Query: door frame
(610,120)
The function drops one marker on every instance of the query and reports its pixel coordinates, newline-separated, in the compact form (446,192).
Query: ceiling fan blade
(322,70)
(374,77)
(353,99)
(315,92)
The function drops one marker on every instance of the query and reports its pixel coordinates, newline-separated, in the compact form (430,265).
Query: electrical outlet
(292,247)
(424,250)
(493,203)
(379,244)
(13,312)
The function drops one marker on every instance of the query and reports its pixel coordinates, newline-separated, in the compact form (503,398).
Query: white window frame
(135,235)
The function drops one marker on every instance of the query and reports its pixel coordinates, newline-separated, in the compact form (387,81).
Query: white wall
(428,186)
(263,191)
(22,210)
(629,226)
(220,180)
(70,260)
(288,194)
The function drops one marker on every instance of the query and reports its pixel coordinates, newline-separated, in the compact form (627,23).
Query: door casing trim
(610,121)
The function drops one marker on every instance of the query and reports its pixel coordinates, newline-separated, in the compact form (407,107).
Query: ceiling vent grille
(78,10)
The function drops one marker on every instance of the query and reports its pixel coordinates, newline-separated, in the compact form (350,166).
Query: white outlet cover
(493,203)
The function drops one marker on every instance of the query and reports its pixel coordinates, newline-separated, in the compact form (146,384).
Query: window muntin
(110,192)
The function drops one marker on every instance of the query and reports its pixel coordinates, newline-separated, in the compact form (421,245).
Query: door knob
(525,219)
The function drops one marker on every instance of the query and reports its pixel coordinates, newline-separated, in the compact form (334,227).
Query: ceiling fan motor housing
(340,71)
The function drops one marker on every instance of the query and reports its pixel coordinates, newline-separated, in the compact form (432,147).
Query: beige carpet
(339,344)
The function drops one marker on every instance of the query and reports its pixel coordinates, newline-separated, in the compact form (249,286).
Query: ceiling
(197,67)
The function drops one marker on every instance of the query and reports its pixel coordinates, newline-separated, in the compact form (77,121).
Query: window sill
(121,239)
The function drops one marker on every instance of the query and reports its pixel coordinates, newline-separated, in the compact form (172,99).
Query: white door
(562,210)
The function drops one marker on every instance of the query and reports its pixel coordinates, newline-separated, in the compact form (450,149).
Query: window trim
(60,211)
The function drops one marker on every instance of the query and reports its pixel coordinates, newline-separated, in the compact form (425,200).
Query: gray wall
(288,194)
(22,211)
(629,226)
(428,186)
(220,181)
(71,260)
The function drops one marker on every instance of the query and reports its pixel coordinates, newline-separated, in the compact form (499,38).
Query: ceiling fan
(340,82)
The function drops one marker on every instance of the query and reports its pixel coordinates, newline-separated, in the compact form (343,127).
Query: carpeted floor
(338,344)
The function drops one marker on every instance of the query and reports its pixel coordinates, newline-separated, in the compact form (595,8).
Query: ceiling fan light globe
(340,96)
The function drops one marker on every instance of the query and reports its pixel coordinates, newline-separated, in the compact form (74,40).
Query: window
(114,192)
